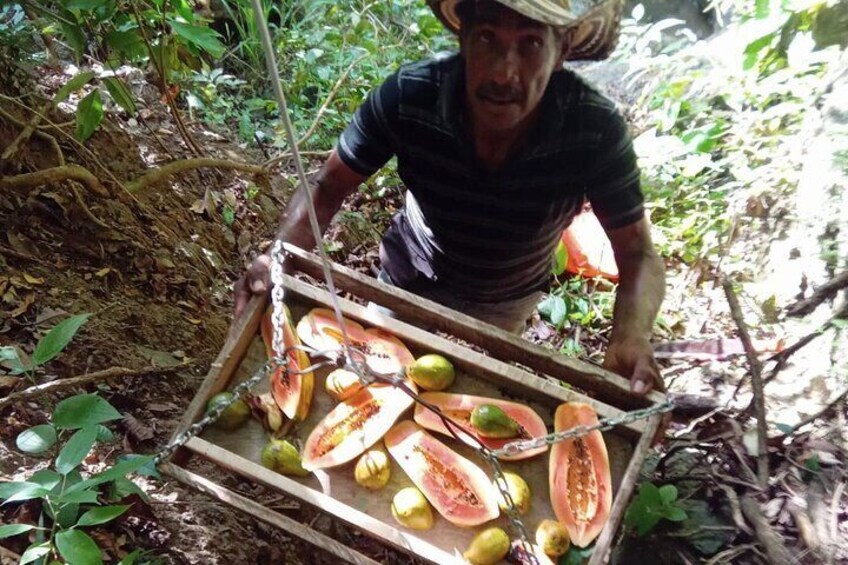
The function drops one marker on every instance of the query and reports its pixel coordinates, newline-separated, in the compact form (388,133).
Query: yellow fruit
(488,547)
(552,537)
(233,415)
(411,509)
(519,491)
(373,469)
(342,384)
(432,372)
(282,457)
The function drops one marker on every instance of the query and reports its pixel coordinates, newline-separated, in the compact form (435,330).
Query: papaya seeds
(431,372)
(519,491)
(233,415)
(282,457)
(488,547)
(411,509)
(373,469)
(552,537)
(492,422)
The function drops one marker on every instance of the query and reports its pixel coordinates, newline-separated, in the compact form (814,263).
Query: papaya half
(457,488)
(353,426)
(459,408)
(579,476)
(292,392)
(383,352)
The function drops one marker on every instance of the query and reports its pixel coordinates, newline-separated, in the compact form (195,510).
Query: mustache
(500,94)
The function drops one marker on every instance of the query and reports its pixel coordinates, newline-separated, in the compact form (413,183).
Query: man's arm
(330,186)
(640,292)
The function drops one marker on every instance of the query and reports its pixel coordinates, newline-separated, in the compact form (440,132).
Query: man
(498,146)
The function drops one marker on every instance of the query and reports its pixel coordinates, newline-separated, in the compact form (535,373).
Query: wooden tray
(333,490)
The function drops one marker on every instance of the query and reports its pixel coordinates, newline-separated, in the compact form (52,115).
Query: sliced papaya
(579,476)
(457,488)
(353,426)
(383,352)
(292,392)
(458,407)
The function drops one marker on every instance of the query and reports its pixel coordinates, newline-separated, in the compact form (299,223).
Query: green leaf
(576,555)
(148,469)
(10,530)
(76,449)
(48,478)
(130,558)
(649,495)
(83,410)
(21,490)
(674,514)
(558,311)
(62,333)
(123,487)
(37,439)
(121,469)
(762,9)
(560,258)
(77,81)
(35,551)
(120,94)
(74,37)
(668,493)
(82,4)
(79,497)
(104,434)
(9,358)
(203,37)
(102,515)
(127,43)
(89,115)
(78,548)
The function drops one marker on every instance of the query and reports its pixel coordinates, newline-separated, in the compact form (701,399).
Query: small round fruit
(491,421)
(552,538)
(282,457)
(488,547)
(373,469)
(432,372)
(342,384)
(411,509)
(519,491)
(233,415)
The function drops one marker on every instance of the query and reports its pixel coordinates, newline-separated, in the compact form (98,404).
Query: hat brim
(591,30)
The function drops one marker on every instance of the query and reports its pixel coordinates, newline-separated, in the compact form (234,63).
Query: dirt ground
(155,267)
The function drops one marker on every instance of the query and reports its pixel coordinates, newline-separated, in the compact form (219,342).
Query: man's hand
(633,358)
(257,280)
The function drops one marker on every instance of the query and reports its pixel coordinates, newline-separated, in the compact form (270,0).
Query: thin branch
(56,174)
(824,411)
(824,292)
(82,380)
(756,382)
(164,171)
(305,137)
(283,156)
(24,136)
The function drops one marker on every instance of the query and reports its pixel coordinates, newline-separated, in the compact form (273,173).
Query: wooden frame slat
(502,345)
(260,512)
(395,537)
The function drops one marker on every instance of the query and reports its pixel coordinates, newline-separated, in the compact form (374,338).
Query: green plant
(651,505)
(71,503)
(577,301)
(47,348)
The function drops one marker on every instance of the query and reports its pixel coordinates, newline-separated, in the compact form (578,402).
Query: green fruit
(282,457)
(373,469)
(491,421)
(432,372)
(488,547)
(552,538)
(233,415)
(519,491)
(411,509)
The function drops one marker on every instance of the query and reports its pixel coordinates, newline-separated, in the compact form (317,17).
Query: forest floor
(154,264)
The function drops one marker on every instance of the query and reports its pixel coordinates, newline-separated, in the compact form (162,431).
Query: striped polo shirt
(489,236)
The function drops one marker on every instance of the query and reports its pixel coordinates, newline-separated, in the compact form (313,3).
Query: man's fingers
(644,376)
(258,274)
(242,296)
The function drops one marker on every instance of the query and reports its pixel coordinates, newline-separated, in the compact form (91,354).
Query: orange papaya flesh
(458,489)
(353,426)
(579,476)
(383,352)
(458,408)
(292,392)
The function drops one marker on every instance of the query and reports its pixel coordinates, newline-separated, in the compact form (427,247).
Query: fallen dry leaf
(33,280)
(29,298)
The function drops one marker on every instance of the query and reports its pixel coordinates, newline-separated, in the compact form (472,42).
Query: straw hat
(591,25)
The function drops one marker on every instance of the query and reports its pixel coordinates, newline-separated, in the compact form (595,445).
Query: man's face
(509,60)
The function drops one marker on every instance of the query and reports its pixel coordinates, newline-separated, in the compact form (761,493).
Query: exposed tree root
(765,534)
(175,167)
(23,137)
(824,292)
(56,174)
